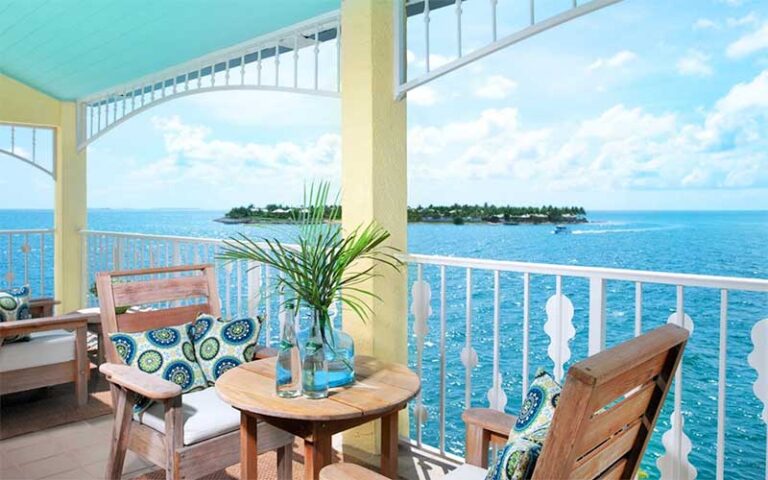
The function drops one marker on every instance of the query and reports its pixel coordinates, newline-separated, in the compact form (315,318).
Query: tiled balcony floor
(78,451)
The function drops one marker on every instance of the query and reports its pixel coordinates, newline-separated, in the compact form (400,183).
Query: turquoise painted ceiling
(72,48)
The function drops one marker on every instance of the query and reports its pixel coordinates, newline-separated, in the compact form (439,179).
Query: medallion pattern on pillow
(14,305)
(518,458)
(165,352)
(221,345)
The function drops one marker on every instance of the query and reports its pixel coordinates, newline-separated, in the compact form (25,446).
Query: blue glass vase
(339,351)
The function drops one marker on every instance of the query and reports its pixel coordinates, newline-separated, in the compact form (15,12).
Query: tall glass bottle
(314,368)
(288,367)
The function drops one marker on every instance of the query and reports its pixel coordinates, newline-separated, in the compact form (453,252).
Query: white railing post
(596,315)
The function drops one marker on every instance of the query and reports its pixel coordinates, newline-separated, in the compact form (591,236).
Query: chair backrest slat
(165,285)
(608,407)
(167,317)
(160,290)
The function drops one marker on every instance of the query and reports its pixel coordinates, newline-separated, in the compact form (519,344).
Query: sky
(645,105)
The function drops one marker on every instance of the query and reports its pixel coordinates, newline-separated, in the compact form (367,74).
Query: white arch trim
(29,162)
(409,8)
(235,68)
(30,155)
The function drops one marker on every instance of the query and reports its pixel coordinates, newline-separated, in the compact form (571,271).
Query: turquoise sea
(716,243)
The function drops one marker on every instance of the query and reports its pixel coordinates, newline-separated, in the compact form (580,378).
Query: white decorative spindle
(559,327)
(674,464)
(497,399)
(443,372)
(721,385)
(421,309)
(468,354)
(758,359)
(526,331)
(638,308)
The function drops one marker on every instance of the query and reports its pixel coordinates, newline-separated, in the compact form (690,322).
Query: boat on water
(560,229)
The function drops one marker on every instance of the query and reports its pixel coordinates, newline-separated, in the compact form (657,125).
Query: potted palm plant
(325,264)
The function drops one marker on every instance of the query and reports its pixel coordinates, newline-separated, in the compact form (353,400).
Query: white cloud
(616,61)
(423,96)
(750,43)
(621,149)
(705,24)
(748,19)
(496,87)
(695,63)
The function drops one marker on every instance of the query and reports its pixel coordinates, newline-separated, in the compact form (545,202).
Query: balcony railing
(480,328)
(26,258)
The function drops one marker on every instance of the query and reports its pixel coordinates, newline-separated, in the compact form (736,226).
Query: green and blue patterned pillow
(221,345)
(14,305)
(166,352)
(518,458)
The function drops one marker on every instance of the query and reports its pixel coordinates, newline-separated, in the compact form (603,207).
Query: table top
(379,388)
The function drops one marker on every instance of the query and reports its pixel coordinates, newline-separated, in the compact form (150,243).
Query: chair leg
(121,431)
(285,462)
(81,365)
(174,437)
(477,444)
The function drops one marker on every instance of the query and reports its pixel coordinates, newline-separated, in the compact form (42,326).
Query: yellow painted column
(70,211)
(374,178)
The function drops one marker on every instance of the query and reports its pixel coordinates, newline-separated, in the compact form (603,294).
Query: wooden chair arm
(135,380)
(484,427)
(42,307)
(493,421)
(348,471)
(22,327)
(264,352)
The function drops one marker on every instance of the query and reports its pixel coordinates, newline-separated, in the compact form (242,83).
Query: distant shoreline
(446,221)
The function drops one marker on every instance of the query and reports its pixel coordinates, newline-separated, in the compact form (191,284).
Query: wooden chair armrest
(135,380)
(485,427)
(264,352)
(492,421)
(23,327)
(42,307)
(348,471)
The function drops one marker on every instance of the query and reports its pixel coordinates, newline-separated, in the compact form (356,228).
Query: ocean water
(716,243)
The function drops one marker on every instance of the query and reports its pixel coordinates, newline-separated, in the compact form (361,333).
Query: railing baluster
(9,275)
(426,34)
(458,27)
(721,385)
(443,373)
(469,359)
(42,264)
(496,396)
(526,330)
(596,315)
(638,308)
(239,288)
(494,22)
(25,250)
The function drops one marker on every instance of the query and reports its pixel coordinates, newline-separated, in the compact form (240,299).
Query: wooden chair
(605,417)
(53,356)
(168,442)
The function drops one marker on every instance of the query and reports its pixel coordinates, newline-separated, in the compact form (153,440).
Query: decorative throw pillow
(518,458)
(165,352)
(221,345)
(14,305)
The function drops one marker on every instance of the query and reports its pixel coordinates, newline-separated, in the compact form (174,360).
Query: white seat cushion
(205,416)
(43,348)
(467,472)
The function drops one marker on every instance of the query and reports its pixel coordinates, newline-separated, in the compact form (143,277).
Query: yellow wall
(374,176)
(20,104)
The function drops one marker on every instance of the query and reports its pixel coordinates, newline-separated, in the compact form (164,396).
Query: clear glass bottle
(314,368)
(288,366)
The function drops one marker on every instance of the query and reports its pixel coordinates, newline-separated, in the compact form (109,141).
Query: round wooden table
(380,391)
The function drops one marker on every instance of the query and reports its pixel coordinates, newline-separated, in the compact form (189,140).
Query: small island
(456,214)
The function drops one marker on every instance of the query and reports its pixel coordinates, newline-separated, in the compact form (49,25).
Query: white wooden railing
(241,288)
(502,319)
(517,284)
(26,258)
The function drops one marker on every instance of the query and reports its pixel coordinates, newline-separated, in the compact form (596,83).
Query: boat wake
(619,230)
